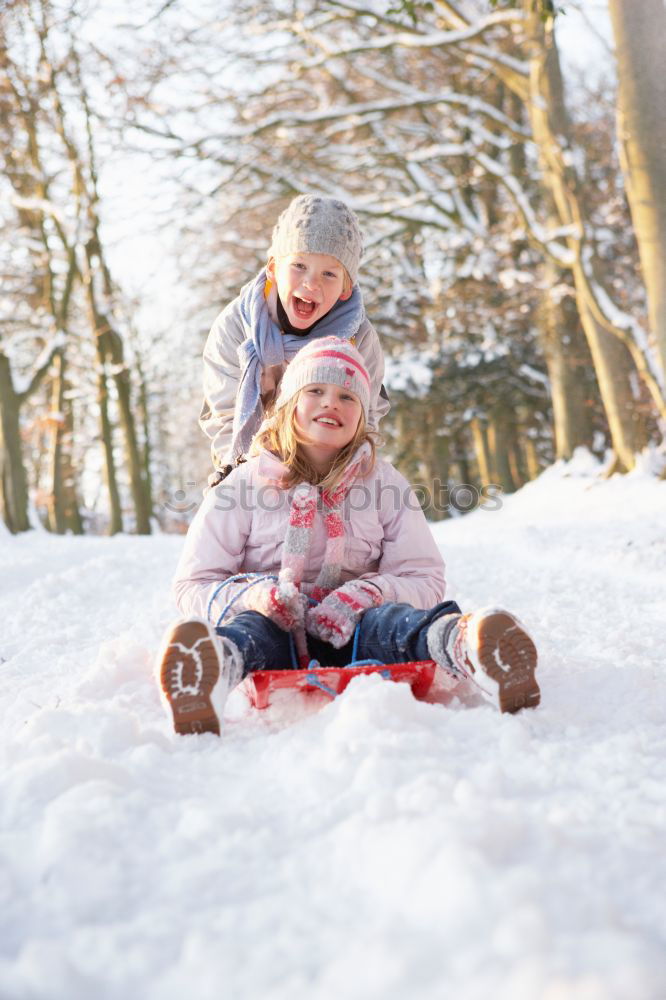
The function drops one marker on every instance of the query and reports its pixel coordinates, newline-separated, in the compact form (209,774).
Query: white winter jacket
(241,525)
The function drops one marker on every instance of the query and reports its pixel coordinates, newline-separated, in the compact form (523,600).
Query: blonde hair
(280,435)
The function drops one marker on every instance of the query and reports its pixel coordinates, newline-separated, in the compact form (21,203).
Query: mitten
(335,619)
(281,602)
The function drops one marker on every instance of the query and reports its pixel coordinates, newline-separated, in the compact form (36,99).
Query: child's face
(309,285)
(328,416)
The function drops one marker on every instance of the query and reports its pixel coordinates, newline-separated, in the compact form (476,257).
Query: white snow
(380,849)
(409,372)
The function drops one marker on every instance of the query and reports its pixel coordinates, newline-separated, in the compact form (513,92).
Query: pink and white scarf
(301,520)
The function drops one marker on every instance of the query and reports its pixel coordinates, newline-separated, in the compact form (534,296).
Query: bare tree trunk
(514,450)
(71,509)
(479,428)
(461,458)
(614,366)
(146,456)
(640,30)
(55,508)
(63,512)
(112,345)
(563,345)
(514,464)
(437,449)
(531,456)
(116,517)
(14,492)
(612,361)
(499,443)
(110,348)
(559,321)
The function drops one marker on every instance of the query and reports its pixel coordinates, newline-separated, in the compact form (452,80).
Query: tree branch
(43,364)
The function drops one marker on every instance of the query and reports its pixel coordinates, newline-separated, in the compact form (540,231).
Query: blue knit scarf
(264,346)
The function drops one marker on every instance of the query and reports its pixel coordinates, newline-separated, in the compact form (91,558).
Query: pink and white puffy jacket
(241,526)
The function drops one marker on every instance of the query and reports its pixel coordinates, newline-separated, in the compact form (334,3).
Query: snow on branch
(450,97)
(548,239)
(493,56)
(28,384)
(481,134)
(42,205)
(619,322)
(417,40)
(361,111)
(439,151)
(404,208)
(580,258)
(441,200)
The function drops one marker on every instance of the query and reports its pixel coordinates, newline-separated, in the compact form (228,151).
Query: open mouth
(328,421)
(303,308)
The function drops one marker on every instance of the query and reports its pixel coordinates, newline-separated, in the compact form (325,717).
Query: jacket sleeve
(367,342)
(214,551)
(411,568)
(221,375)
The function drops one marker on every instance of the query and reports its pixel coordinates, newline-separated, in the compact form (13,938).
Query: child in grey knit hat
(307,290)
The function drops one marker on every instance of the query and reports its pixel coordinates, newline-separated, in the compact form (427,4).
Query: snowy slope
(380,848)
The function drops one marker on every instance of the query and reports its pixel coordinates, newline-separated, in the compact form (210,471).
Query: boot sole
(507,655)
(189,670)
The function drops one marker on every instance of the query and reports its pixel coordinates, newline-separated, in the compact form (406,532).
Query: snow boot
(197,669)
(493,649)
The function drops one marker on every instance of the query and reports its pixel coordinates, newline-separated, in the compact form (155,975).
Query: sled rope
(315,682)
(253,578)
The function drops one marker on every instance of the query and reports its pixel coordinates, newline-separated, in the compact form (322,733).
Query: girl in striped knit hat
(311,541)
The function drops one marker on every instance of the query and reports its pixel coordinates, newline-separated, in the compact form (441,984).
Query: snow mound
(377,848)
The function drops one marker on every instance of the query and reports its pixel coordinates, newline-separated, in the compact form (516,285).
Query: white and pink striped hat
(330,361)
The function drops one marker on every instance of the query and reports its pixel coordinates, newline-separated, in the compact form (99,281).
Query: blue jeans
(392,633)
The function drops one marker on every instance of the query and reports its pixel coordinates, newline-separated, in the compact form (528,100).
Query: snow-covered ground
(380,849)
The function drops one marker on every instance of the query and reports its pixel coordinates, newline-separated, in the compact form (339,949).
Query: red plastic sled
(420,675)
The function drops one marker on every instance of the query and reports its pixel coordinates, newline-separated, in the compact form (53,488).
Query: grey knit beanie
(313,224)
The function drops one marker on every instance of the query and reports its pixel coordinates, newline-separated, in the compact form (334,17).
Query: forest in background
(514,243)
